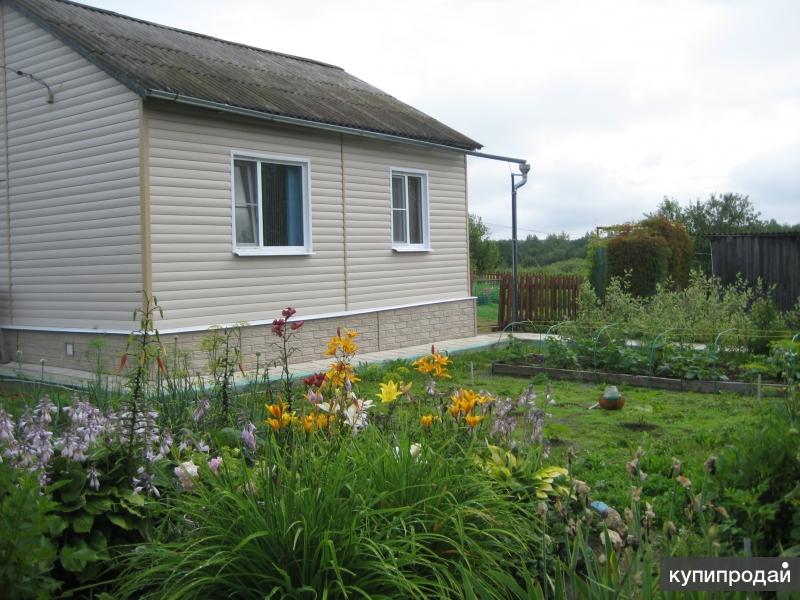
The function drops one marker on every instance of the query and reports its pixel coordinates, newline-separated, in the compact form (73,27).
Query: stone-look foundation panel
(379,330)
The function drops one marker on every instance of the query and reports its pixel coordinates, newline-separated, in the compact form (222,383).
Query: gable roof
(158,61)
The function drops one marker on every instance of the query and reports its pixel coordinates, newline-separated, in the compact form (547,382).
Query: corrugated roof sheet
(148,57)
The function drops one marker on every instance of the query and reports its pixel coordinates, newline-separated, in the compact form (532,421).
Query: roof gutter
(248,112)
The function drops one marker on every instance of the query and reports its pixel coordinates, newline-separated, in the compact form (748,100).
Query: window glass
(246,203)
(415,210)
(398,192)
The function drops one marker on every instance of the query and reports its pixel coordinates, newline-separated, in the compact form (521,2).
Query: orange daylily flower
(427,420)
(473,420)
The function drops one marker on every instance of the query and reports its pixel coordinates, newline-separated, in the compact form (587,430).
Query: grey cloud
(772,181)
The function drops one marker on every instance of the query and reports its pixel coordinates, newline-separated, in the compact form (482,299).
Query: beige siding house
(228,181)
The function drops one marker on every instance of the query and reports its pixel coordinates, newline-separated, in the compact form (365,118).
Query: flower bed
(422,487)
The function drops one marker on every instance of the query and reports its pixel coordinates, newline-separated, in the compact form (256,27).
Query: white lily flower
(413,450)
(187,473)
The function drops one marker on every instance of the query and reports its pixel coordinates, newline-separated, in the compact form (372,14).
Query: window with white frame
(271,206)
(410,210)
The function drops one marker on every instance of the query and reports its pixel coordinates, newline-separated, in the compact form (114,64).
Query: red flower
(315,380)
(297,325)
(278,327)
(288,312)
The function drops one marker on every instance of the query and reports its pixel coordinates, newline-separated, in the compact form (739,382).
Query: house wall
(377,275)
(5,271)
(73,177)
(80,253)
(199,281)
(196,277)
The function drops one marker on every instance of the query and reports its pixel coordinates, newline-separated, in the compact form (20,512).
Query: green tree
(717,214)
(720,213)
(484,255)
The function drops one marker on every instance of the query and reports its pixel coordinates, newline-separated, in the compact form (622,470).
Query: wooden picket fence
(542,298)
(494,276)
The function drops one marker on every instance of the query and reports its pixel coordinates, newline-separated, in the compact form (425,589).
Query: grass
(487,317)
(666,424)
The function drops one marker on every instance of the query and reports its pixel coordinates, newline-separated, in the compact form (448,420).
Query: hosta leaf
(133,499)
(97,540)
(98,506)
(82,523)
(75,557)
(120,521)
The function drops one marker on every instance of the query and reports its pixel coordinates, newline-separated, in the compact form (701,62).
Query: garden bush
(641,257)
(653,252)
(760,476)
(697,313)
(28,524)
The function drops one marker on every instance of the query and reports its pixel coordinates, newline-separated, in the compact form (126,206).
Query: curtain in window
(282,204)
(294,202)
(415,210)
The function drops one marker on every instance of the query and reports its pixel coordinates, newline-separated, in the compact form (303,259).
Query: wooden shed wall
(775,259)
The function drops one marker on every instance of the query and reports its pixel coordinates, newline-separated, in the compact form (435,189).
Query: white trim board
(193,328)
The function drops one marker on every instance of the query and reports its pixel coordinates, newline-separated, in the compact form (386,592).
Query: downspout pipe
(524,168)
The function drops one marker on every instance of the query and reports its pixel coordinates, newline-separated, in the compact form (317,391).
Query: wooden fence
(542,298)
(497,276)
(774,258)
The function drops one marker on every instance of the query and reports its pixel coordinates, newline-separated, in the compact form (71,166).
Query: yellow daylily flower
(427,420)
(277,409)
(389,392)
(280,417)
(465,400)
(473,420)
(346,343)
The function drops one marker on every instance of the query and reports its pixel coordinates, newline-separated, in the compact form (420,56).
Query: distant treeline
(558,254)
(554,253)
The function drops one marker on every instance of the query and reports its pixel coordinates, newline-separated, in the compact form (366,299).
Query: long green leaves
(344,518)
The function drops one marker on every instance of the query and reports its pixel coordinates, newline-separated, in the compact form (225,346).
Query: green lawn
(487,317)
(688,426)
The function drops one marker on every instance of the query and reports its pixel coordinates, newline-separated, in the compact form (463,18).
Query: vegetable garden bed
(661,383)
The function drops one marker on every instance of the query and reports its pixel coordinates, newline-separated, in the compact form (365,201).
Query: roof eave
(265,116)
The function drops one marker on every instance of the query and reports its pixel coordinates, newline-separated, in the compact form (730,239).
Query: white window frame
(425,208)
(261,250)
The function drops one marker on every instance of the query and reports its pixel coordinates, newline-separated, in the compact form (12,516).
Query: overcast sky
(615,104)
